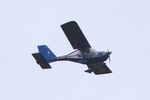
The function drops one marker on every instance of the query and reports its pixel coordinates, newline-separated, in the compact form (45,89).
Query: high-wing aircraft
(83,52)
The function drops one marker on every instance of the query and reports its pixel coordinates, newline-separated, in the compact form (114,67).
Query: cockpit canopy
(80,54)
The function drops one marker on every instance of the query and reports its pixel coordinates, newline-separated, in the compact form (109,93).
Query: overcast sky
(123,26)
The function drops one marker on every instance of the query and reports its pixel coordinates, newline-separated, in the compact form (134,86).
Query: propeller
(109,59)
(109,55)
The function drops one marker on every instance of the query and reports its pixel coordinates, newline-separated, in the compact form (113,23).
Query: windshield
(90,53)
(80,54)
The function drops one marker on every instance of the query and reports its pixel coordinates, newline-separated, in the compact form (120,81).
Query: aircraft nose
(109,53)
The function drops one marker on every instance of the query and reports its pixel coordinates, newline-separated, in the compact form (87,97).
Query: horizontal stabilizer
(41,61)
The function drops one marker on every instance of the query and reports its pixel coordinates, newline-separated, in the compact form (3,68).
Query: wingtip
(68,23)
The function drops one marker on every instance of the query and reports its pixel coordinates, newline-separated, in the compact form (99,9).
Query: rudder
(47,53)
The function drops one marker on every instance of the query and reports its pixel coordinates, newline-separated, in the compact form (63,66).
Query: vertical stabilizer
(47,53)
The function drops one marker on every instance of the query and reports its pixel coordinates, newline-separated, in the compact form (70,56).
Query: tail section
(41,61)
(47,53)
(44,57)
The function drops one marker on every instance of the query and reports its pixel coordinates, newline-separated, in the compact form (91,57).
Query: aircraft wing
(75,35)
(99,68)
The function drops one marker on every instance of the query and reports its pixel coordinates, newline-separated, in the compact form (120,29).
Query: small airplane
(83,52)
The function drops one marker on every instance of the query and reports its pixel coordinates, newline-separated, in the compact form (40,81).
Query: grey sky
(123,26)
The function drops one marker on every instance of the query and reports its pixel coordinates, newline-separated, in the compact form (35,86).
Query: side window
(87,54)
(75,54)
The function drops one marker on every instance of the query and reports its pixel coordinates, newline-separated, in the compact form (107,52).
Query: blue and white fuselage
(87,57)
(83,53)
